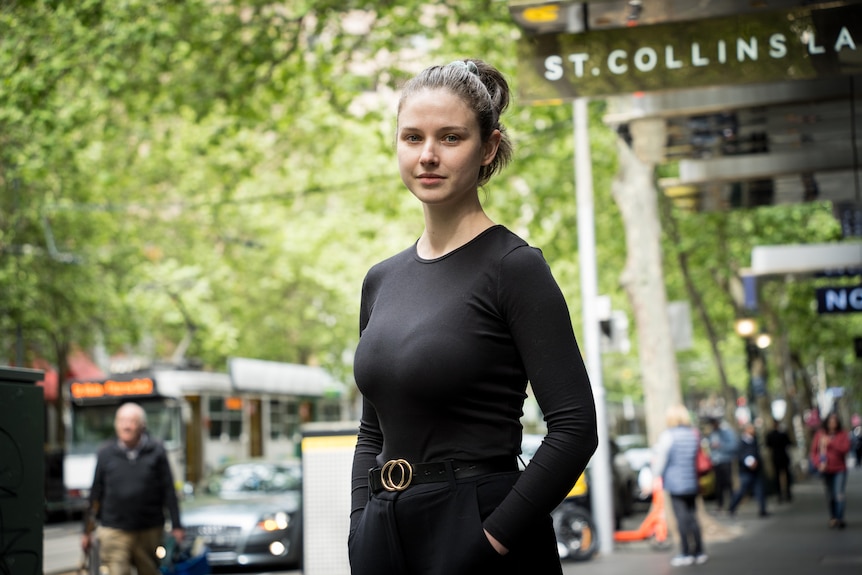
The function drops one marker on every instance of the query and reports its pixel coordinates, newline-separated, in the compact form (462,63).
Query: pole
(600,468)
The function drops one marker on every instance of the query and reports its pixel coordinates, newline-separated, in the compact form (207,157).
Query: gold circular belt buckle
(403,467)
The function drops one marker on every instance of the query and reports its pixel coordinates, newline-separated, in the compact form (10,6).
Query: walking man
(132,487)
(750,472)
(723,445)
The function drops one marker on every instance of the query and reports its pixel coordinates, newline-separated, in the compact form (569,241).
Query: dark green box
(22,471)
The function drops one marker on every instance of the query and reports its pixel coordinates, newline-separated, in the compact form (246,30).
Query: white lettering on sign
(746,49)
(844,40)
(836,300)
(616,62)
(842,299)
(553,68)
(696,58)
(670,57)
(672,63)
(646,59)
(777,46)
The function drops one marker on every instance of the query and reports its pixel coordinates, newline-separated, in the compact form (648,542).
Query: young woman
(452,329)
(674,461)
(829,450)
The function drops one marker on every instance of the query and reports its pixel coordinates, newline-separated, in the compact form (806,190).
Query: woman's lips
(429,179)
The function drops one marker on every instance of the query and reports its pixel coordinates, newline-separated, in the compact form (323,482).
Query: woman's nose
(429,153)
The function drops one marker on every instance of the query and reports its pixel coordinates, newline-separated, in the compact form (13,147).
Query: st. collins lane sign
(797,44)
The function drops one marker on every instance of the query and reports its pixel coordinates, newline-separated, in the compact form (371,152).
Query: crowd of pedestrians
(752,461)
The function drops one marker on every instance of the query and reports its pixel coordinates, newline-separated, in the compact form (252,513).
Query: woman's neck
(445,234)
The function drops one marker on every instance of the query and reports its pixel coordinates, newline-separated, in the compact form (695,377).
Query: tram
(204,419)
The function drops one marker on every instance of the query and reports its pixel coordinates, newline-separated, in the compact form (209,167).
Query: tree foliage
(224,172)
(221,174)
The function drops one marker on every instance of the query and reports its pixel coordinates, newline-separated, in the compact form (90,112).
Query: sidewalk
(794,540)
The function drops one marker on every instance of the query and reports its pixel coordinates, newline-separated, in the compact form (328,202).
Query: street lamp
(745,327)
(755,360)
(763,341)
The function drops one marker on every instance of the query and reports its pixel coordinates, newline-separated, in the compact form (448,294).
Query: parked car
(624,478)
(574,526)
(249,514)
(625,483)
(639,454)
(637,451)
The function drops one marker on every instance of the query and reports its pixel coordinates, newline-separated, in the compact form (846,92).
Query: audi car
(248,514)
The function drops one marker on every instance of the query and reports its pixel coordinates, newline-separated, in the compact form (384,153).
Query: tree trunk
(643,277)
(61,357)
(700,307)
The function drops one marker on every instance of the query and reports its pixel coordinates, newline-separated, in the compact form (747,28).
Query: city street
(63,556)
(793,540)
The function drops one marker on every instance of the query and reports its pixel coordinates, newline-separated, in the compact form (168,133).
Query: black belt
(399,474)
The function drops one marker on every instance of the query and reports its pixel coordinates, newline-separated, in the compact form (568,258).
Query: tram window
(283,418)
(225,418)
(163,423)
(329,411)
(94,424)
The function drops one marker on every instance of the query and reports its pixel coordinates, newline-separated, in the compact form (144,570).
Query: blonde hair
(677,415)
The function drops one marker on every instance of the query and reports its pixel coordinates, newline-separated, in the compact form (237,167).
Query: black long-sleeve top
(447,347)
(749,448)
(132,490)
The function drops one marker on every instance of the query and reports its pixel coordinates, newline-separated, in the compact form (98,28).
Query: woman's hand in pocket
(498,547)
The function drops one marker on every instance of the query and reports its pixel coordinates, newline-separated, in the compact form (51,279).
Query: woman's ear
(490,147)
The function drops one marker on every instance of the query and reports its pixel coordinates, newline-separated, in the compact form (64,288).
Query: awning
(803,259)
(257,375)
(80,367)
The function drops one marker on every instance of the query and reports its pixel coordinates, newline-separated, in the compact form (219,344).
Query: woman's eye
(450,138)
(411,138)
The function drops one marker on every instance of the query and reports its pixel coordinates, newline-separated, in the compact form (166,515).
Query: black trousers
(723,483)
(749,482)
(436,529)
(685,511)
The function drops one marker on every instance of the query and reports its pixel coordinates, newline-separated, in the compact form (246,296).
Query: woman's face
(832,423)
(440,149)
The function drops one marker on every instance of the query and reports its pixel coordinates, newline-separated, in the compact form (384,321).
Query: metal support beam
(600,469)
(710,100)
(761,166)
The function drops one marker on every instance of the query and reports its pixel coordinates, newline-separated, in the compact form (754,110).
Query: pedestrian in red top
(829,456)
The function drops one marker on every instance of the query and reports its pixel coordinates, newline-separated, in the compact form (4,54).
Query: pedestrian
(674,461)
(856,438)
(778,441)
(132,488)
(829,450)
(750,472)
(451,331)
(723,446)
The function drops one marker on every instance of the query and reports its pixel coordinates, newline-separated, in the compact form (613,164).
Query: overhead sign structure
(795,44)
(804,258)
(845,299)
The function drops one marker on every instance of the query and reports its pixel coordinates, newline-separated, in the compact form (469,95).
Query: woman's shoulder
(514,251)
(506,238)
(684,436)
(392,262)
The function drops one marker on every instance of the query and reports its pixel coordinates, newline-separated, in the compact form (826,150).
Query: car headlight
(277,521)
